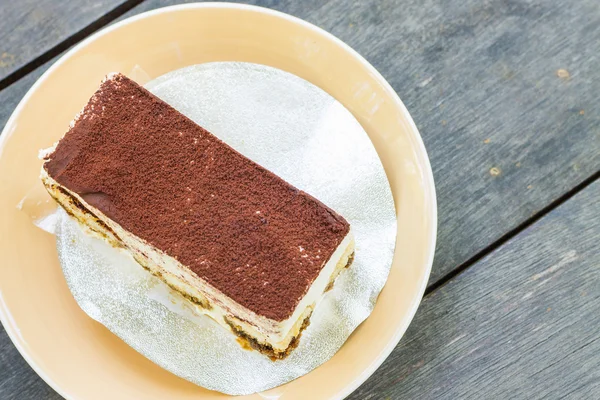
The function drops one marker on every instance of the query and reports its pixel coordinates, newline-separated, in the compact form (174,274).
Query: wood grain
(30,28)
(521,324)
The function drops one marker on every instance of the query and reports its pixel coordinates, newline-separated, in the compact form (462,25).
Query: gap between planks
(511,234)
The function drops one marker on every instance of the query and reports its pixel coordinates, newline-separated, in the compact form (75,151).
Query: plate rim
(5,316)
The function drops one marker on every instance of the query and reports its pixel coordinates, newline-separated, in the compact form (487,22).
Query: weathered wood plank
(29,28)
(524,323)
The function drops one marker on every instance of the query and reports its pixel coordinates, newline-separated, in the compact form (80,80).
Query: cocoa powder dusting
(165,179)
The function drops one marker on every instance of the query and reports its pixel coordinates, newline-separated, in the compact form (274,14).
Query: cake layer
(242,229)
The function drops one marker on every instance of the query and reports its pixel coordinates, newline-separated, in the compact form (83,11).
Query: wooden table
(506,94)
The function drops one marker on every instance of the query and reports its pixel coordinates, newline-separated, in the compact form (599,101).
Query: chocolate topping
(165,179)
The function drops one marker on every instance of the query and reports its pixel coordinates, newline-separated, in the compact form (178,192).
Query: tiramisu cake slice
(249,249)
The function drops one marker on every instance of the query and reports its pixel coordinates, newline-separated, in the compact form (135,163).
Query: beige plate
(79,357)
